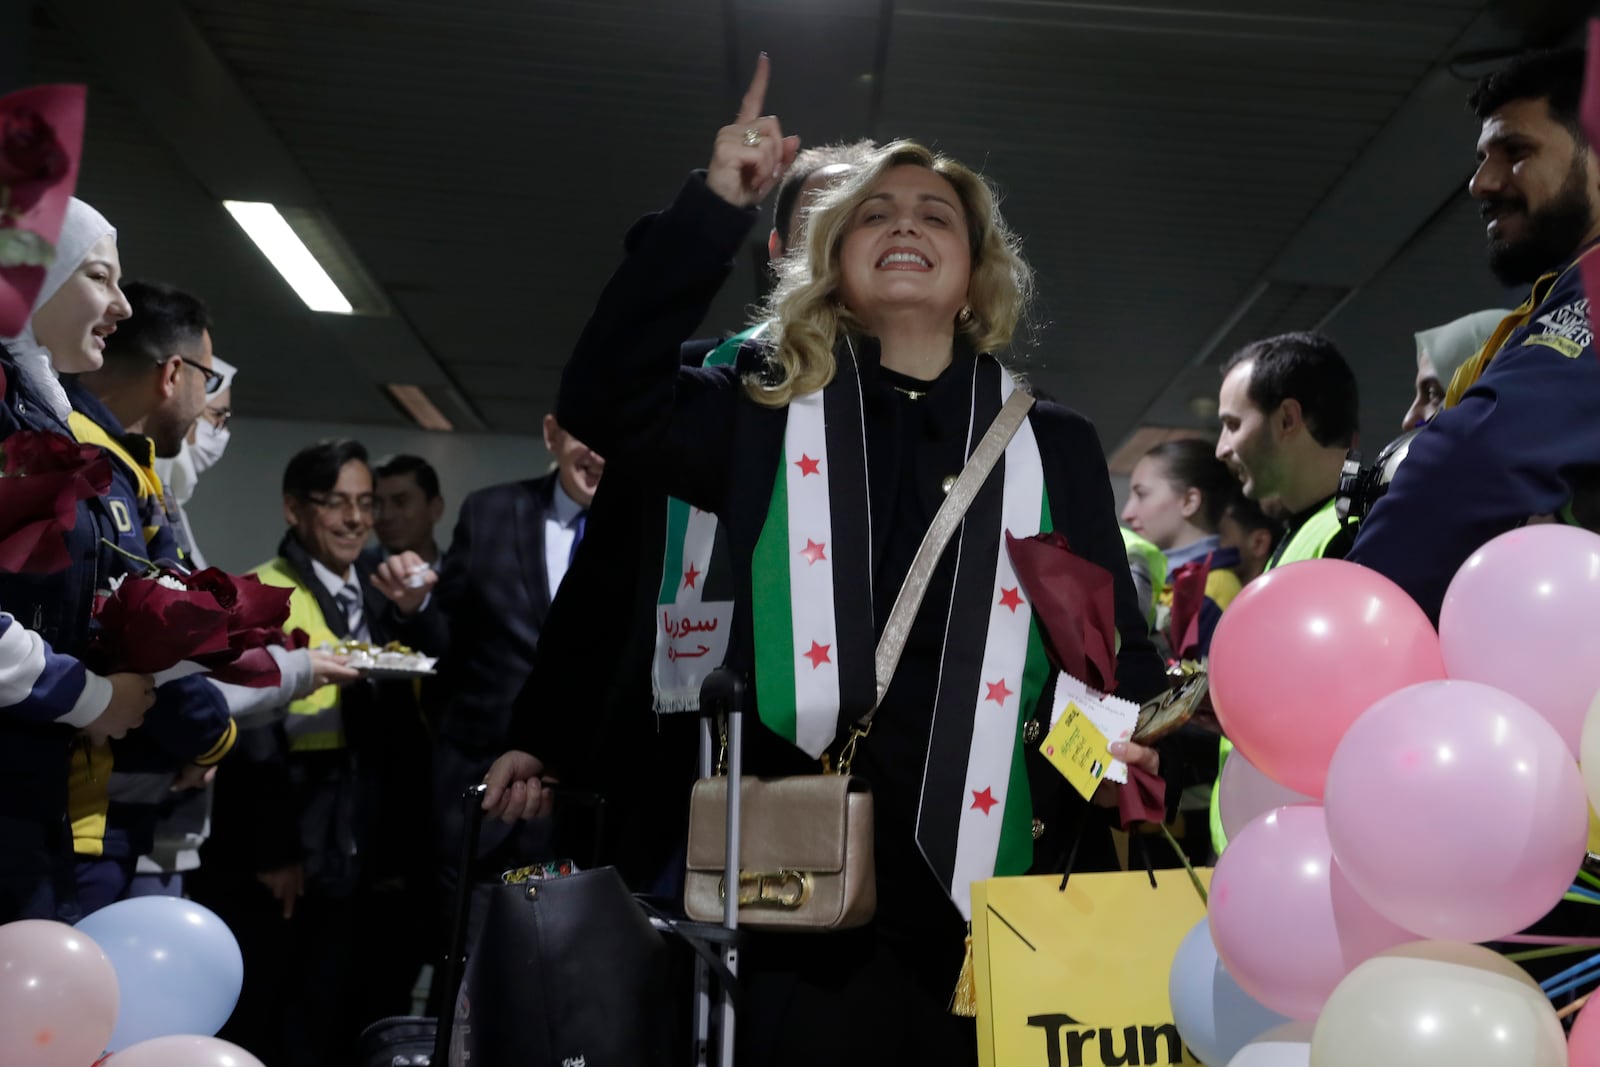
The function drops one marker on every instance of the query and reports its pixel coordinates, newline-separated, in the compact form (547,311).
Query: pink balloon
(58,996)
(1583,1044)
(1520,616)
(1287,924)
(183,1051)
(1457,811)
(1244,793)
(1302,652)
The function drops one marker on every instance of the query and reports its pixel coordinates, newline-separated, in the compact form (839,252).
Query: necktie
(349,601)
(577,535)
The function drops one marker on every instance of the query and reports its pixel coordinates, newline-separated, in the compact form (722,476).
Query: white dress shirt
(336,585)
(560,530)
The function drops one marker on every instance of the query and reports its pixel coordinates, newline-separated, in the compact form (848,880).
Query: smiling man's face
(1536,189)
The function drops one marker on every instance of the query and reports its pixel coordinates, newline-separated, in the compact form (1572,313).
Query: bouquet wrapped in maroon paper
(43,477)
(41,141)
(220,623)
(1074,601)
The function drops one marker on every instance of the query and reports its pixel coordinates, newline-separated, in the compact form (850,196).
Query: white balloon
(1244,792)
(1589,753)
(1286,1046)
(1438,1004)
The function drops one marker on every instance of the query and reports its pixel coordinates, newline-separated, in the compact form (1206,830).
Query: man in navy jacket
(1520,433)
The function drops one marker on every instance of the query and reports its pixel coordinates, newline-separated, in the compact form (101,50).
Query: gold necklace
(912,393)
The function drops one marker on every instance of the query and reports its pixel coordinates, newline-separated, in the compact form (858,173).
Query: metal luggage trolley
(722,697)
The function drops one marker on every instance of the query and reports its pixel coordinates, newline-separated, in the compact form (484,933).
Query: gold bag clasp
(770,889)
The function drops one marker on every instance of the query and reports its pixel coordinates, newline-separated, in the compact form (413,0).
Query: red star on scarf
(818,655)
(808,465)
(813,552)
(1011,598)
(689,577)
(983,801)
(998,691)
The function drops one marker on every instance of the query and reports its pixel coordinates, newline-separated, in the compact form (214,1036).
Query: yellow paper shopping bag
(1078,977)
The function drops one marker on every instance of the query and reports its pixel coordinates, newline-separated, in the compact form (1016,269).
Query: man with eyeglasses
(202,449)
(141,403)
(153,387)
(313,857)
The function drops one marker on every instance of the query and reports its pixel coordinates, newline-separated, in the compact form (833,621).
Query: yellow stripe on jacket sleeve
(223,746)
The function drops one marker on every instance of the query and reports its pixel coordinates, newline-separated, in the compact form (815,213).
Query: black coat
(34,751)
(495,593)
(694,433)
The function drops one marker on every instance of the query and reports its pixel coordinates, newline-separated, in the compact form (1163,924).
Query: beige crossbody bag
(805,841)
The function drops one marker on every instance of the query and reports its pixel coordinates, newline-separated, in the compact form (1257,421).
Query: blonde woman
(825,452)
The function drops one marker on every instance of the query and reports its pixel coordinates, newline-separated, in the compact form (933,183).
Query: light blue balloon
(1215,1017)
(178,967)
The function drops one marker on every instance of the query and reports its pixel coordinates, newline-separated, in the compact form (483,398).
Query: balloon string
(1194,879)
(1573,986)
(1545,953)
(1545,939)
(1575,972)
(1572,1008)
(1570,982)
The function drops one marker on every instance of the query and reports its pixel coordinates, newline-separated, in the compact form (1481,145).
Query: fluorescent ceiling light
(284,249)
(414,402)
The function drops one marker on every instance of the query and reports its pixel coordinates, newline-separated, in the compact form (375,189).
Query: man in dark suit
(510,551)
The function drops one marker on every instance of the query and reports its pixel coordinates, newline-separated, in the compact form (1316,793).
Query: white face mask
(210,442)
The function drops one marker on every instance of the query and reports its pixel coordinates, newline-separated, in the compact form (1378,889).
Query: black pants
(314,982)
(855,997)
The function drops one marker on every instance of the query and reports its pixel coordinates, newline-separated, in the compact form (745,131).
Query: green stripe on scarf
(677,527)
(1015,854)
(772,619)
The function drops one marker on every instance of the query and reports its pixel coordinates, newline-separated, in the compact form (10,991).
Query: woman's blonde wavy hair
(807,315)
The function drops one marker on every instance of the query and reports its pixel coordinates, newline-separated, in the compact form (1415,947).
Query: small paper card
(1114,717)
(1077,749)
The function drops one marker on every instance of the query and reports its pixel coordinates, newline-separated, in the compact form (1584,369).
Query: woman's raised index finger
(756,95)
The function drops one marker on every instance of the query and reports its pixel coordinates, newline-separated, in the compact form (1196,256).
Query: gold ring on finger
(752,136)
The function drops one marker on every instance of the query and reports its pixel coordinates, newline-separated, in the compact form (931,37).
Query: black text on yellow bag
(1077,976)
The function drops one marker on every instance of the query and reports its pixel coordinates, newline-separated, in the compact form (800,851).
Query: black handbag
(568,971)
(398,1041)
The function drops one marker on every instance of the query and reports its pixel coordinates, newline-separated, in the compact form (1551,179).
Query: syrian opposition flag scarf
(814,633)
(694,604)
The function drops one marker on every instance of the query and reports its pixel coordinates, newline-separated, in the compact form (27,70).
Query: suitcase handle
(455,957)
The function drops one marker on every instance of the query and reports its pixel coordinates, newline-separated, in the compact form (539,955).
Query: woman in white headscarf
(1440,352)
(78,307)
(48,695)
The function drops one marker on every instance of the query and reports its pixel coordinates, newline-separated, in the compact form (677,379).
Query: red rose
(45,475)
(32,159)
(146,627)
(222,622)
(250,604)
(30,452)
